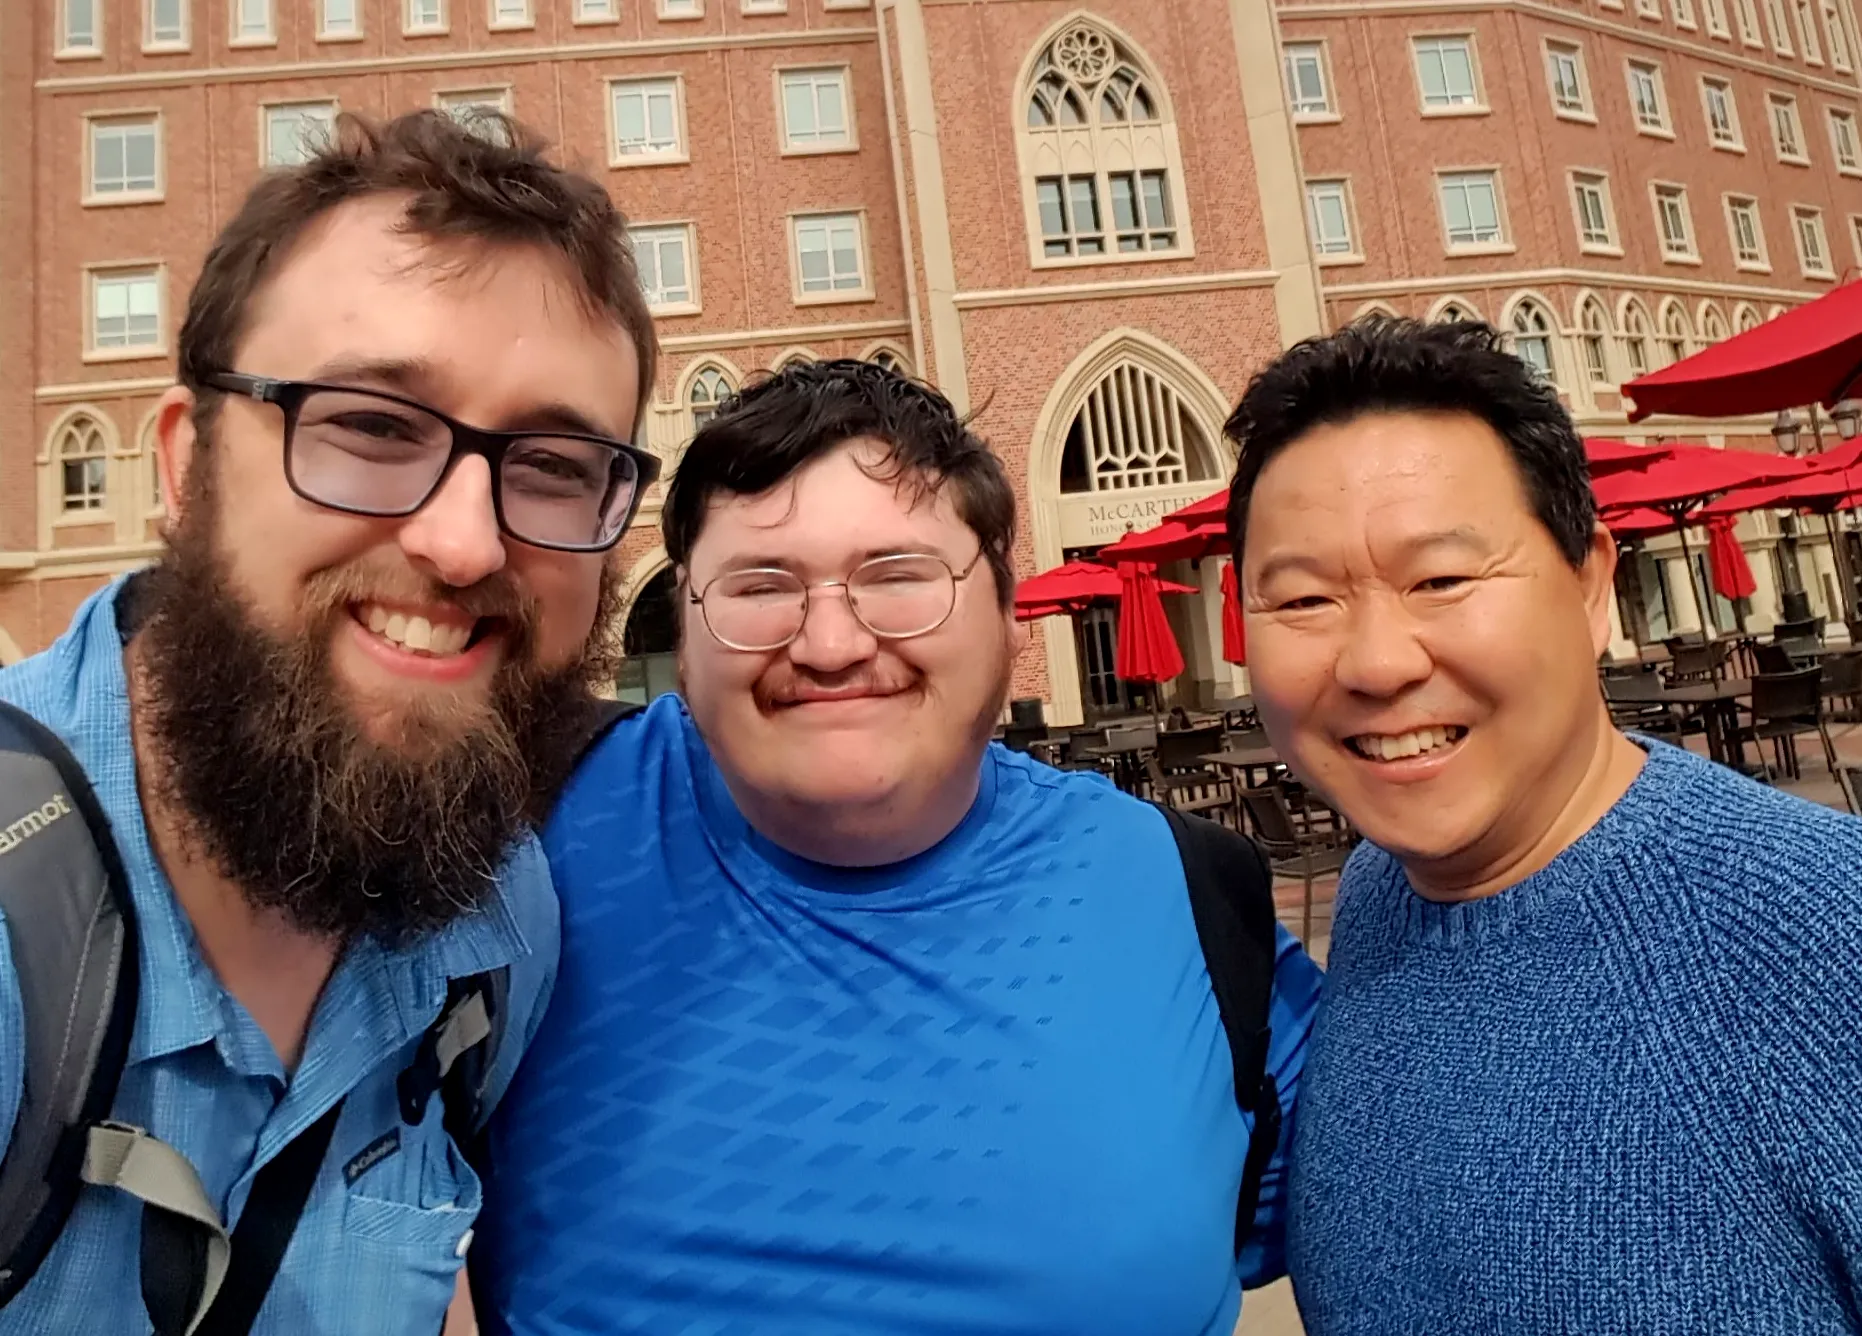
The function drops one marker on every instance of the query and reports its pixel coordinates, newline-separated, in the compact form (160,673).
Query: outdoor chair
(1130,745)
(1183,779)
(1698,663)
(1773,658)
(1849,780)
(1784,707)
(1637,716)
(1842,681)
(1300,836)
(1810,628)
(1018,737)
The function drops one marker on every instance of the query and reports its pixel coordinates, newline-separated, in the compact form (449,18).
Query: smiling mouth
(434,638)
(1384,747)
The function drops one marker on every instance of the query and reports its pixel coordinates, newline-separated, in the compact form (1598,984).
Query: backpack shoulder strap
(1232,899)
(72,930)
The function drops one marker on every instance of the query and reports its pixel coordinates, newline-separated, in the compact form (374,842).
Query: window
(1329,218)
(1745,318)
(663,256)
(83,464)
(1683,12)
(1838,36)
(1099,154)
(1451,312)
(1722,113)
(126,309)
(1676,336)
(890,360)
(166,23)
(1564,70)
(1470,208)
(1746,232)
(829,259)
(1843,141)
(479,109)
(1649,9)
(1531,336)
(338,18)
(1636,340)
(1593,341)
(1716,18)
(1712,326)
(1807,33)
(252,21)
(1787,131)
(1134,431)
(1306,86)
(681,9)
(1672,221)
(426,15)
(646,119)
(815,110)
(596,11)
(1445,68)
(294,131)
(1780,26)
(78,22)
(709,388)
(511,14)
(1645,97)
(1590,193)
(1748,12)
(1855,235)
(765,6)
(125,158)
(1813,248)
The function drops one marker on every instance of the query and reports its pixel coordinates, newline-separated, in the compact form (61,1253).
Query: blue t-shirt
(986,1089)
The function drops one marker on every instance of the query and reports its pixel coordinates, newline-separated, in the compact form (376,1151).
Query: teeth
(439,639)
(1398,746)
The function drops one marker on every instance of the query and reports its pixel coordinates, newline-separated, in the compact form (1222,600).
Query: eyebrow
(770,562)
(1410,548)
(419,379)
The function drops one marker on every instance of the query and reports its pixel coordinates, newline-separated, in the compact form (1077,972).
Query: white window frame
(1598,182)
(522,14)
(597,11)
(1663,128)
(1779,21)
(241,36)
(413,23)
(1735,206)
(1717,25)
(1809,40)
(1583,110)
(799,223)
(1476,105)
(350,33)
(491,97)
(1463,176)
(1855,235)
(155,43)
(1604,376)
(268,109)
(95,275)
(678,10)
(1836,36)
(755,7)
(1737,142)
(1327,110)
(1338,187)
(92,45)
(1800,215)
(1649,9)
(1750,32)
(816,76)
(1683,11)
(1775,103)
(1835,117)
(647,85)
(95,121)
(1661,194)
(658,235)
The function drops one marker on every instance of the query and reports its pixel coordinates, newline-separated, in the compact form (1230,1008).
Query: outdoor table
(1716,702)
(1247,760)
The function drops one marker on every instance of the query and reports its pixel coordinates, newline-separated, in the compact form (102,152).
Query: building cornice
(1396,287)
(1042,294)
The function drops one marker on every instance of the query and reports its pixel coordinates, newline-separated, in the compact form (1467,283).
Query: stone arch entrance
(650,640)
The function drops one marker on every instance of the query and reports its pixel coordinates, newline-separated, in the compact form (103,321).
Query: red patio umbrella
(1812,354)
(1608,456)
(1147,648)
(1726,561)
(1211,507)
(1637,522)
(1170,541)
(1075,587)
(1234,633)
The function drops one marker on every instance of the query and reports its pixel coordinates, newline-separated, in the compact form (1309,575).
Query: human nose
(1383,652)
(832,639)
(455,535)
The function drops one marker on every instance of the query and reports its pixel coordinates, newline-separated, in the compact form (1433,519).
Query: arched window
(1712,326)
(1452,311)
(1593,337)
(708,389)
(650,642)
(890,360)
(1099,152)
(1745,317)
(1531,336)
(1134,430)
(1677,338)
(1636,338)
(84,465)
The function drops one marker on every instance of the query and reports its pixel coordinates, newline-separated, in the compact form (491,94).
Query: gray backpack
(71,926)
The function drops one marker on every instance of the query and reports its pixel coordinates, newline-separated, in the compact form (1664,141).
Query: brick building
(1084,224)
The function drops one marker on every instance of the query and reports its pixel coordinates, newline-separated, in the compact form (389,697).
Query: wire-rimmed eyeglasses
(895,597)
(369,453)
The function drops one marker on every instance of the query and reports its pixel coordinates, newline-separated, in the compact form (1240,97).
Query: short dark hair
(772,427)
(1383,364)
(488,182)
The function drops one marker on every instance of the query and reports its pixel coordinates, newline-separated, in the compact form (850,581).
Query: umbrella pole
(1839,557)
(1708,631)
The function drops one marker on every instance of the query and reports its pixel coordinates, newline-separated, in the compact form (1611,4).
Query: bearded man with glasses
(865,1025)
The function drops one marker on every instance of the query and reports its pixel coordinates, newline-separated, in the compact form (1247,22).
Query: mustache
(786,683)
(328,593)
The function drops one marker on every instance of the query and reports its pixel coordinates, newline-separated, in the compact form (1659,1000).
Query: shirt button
(465,1241)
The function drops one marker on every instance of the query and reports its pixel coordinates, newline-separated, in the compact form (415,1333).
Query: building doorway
(651,643)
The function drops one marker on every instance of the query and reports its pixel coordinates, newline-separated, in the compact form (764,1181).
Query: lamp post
(1794,601)
(1847,415)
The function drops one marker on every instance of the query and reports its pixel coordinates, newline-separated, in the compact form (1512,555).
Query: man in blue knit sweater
(1589,1057)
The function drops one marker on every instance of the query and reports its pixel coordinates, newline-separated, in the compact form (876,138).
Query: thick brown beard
(275,782)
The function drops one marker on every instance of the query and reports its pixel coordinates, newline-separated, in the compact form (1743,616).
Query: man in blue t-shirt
(865,1025)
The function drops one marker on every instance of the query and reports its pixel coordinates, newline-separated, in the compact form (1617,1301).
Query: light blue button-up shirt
(378,1247)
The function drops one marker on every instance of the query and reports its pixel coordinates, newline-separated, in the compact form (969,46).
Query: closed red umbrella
(1075,587)
(1726,561)
(1147,649)
(1234,633)
(1170,541)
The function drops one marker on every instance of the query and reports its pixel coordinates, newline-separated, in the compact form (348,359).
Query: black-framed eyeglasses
(368,453)
(896,598)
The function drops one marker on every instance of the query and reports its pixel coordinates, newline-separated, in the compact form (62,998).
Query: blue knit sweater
(1623,1096)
